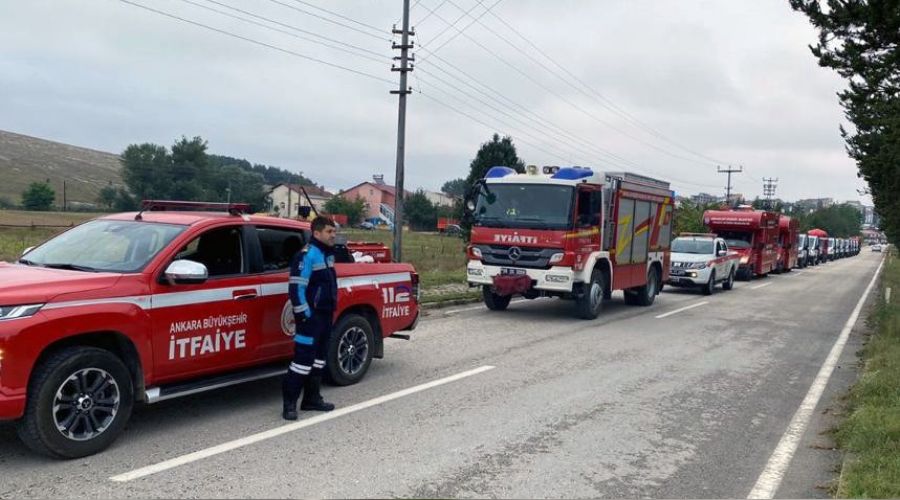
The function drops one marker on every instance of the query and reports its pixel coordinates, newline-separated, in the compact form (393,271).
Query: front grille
(532,258)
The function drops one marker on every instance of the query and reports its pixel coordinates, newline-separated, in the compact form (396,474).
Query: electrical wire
(332,21)
(341,16)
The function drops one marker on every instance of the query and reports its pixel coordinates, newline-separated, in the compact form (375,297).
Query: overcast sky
(673,88)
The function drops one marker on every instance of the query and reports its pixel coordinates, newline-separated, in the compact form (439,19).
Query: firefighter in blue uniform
(313,291)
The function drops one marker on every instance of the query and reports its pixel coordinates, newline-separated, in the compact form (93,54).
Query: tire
(350,350)
(728,284)
(710,287)
(493,301)
(646,294)
(93,394)
(590,303)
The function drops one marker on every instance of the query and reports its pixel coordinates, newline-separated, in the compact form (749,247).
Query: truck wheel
(710,287)
(646,294)
(350,350)
(79,400)
(493,301)
(589,304)
(729,283)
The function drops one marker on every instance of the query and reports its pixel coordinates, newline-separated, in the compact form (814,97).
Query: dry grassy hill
(25,159)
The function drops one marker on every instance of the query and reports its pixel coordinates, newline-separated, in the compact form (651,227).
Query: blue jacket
(313,282)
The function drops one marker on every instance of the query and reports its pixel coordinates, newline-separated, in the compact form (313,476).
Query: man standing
(313,291)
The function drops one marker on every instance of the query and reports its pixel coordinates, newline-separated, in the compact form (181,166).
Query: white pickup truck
(701,260)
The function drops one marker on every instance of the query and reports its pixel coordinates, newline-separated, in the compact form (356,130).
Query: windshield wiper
(495,221)
(72,267)
(28,262)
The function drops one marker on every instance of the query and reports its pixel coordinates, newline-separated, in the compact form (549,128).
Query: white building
(286,199)
(439,199)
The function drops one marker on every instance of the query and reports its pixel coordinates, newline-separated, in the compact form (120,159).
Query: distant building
(813,204)
(286,199)
(705,198)
(440,199)
(379,197)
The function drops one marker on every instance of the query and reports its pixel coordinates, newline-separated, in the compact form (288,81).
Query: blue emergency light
(498,172)
(573,173)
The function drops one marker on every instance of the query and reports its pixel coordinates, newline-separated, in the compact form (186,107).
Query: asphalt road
(690,405)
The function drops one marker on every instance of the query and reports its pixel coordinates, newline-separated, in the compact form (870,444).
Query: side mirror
(470,205)
(26,251)
(186,272)
(722,253)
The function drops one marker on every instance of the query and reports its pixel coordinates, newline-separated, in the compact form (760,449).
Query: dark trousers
(310,350)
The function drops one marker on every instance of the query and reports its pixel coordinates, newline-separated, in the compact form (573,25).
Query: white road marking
(284,429)
(770,479)
(676,311)
(757,287)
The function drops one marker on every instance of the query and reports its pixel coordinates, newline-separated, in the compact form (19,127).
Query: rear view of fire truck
(569,232)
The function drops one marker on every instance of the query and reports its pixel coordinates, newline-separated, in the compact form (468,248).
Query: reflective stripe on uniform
(303,339)
(301,308)
(319,363)
(319,266)
(300,369)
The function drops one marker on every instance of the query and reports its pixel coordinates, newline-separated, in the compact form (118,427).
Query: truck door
(589,216)
(277,246)
(213,326)
(721,264)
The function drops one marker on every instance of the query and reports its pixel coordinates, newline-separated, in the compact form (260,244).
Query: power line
(554,72)
(453,25)
(332,21)
(729,171)
(419,23)
(256,42)
(605,101)
(341,16)
(380,58)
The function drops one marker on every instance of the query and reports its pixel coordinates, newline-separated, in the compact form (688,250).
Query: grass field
(440,260)
(871,432)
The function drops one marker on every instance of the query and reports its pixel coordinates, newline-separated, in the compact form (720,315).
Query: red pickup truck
(144,307)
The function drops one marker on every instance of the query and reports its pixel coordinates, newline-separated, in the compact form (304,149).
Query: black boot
(312,398)
(290,395)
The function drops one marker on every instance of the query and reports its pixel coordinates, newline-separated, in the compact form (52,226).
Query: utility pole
(405,67)
(729,171)
(769,186)
(65,198)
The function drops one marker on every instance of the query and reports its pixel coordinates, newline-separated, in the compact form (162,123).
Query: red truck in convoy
(144,307)
(569,232)
(751,233)
(824,250)
(788,232)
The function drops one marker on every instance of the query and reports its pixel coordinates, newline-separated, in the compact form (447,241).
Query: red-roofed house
(379,197)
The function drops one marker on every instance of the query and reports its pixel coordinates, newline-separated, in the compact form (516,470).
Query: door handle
(244,294)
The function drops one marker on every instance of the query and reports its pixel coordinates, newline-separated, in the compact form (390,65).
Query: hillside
(25,159)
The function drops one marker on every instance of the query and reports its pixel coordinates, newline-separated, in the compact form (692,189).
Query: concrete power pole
(729,171)
(402,92)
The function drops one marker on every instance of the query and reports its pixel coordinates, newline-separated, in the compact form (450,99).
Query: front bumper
(11,407)
(689,277)
(555,279)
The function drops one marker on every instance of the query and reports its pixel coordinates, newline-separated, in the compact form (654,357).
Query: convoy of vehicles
(186,297)
(702,261)
(751,233)
(569,232)
(144,307)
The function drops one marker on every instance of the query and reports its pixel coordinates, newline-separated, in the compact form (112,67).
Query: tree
(355,210)
(147,171)
(107,197)
(420,212)
(455,188)
(859,40)
(38,196)
(839,221)
(190,170)
(689,217)
(496,152)
(124,202)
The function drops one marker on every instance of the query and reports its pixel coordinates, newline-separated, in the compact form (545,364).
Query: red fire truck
(751,233)
(569,232)
(156,305)
(824,250)
(788,230)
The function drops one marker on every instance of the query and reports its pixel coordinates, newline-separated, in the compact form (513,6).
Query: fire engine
(788,229)
(150,306)
(569,232)
(751,233)
(824,248)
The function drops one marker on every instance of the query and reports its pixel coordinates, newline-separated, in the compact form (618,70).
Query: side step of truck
(164,392)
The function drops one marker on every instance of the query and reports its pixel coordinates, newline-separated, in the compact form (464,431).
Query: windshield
(524,206)
(704,247)
(801,241)
(737,239)
(104,245)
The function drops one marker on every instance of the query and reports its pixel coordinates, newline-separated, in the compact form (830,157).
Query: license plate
(511,271)
(676,272)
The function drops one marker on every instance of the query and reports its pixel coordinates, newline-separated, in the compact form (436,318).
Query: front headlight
(16,312)
(745,259)
(557,257)
(476,252)
(697,265)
